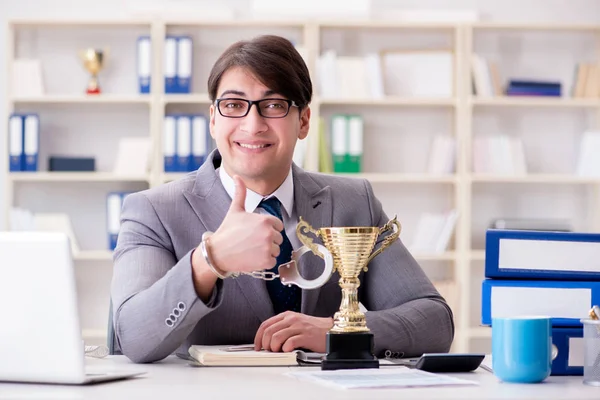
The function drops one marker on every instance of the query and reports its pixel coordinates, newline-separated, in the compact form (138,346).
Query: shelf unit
(514,113)
(459,111)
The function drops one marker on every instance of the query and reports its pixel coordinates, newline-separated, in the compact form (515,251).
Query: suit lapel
(210,201)
(313,204)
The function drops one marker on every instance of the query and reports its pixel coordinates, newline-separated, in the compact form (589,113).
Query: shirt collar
(284,193)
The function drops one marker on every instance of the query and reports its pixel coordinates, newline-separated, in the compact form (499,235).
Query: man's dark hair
(275,63)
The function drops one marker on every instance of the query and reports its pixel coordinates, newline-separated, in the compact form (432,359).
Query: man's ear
(211,125)
(304,123)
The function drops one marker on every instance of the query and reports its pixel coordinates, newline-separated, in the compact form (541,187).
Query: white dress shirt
(285,195)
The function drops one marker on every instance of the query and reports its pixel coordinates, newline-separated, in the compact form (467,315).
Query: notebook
(245,356)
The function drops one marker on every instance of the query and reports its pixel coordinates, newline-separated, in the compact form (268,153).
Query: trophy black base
(349,351)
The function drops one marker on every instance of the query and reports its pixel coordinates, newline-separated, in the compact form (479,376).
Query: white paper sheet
(397,377)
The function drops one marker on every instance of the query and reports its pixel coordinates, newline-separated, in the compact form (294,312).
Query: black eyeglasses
(267,108)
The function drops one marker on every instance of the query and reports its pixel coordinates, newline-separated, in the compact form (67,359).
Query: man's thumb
(239,199)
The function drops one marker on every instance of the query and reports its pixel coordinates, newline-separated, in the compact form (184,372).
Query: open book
(245,356)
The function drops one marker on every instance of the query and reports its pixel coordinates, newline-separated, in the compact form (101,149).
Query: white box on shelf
(426,73)
(133,156)
(27,78)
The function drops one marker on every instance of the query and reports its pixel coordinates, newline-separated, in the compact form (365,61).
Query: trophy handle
(302,229)
(289,274)
(395,227)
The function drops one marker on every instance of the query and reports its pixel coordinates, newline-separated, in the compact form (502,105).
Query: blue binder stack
(544,273)
(24,142)
(186,142)
(177,64)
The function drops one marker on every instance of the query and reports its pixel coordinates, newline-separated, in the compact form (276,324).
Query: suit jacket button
(169,322)
(181,306)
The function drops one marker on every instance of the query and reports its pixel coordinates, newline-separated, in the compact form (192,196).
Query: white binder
(31,141)
(15,150)
(184,64)
(184,143)
(113,216)
(169,143)
(144,63)
(170,64)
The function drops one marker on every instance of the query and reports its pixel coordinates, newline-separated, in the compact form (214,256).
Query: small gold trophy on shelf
(349,342)
(93,61)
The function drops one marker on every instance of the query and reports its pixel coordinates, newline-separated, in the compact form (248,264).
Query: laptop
(40,333)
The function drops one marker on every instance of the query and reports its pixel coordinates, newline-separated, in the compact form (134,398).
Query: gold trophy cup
(349,342)
(93,61)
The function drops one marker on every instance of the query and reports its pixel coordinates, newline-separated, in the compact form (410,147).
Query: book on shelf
(348,77)
(419,73)
(499,154)
(519,87)
(486,77)
(27,78)
(433,232)
(133,156)
(246,356)
(588,164)
(442,155)
(586,83)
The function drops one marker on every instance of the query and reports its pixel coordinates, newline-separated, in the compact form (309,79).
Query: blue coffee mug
(522,349)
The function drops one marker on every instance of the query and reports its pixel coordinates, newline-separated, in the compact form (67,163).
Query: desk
(173,379)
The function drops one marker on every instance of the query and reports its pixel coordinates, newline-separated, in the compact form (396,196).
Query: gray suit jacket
(157,311)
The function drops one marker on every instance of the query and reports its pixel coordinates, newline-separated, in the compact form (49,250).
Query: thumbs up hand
(245,241)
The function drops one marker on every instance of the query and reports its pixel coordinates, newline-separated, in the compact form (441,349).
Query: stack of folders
(347,143)
(114,203)
(24,140)
(555,274)
(186,142)
(178,63)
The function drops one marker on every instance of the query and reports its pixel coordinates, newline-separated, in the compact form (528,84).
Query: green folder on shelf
(355,144)
(339,142)
(347,143)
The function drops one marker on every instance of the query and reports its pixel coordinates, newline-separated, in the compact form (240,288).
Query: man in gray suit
(172,287)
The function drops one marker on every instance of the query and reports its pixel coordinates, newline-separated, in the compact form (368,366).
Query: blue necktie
(284,298)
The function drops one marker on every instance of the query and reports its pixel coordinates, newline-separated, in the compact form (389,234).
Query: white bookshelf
(396,129)
(553,179)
